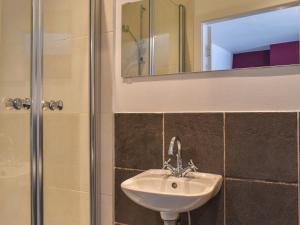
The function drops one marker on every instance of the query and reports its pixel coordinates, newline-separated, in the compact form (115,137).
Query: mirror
(177,36)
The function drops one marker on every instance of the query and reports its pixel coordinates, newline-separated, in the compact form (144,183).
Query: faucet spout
(179,171)
(178,155)
(171,146)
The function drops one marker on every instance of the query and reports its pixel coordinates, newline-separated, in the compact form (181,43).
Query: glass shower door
(44,184)
(166,28)
(15,61)
(66,145)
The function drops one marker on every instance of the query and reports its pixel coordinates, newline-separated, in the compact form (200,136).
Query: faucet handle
(192,166)
(166,164)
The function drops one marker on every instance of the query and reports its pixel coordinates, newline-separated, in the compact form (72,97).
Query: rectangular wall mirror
(181,36)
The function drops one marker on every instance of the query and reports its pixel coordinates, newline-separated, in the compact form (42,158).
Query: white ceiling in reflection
(257,32)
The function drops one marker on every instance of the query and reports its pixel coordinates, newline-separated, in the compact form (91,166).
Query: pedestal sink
(158,190)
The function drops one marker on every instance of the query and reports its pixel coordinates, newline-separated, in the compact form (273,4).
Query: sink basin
(157,190)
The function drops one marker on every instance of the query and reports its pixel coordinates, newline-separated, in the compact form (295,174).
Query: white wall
(264,89)
(221,59)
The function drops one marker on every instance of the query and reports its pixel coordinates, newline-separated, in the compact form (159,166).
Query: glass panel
(66,131)
(15,60)
(135,38)
(166,26)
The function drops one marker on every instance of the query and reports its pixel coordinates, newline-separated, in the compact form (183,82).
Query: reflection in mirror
(173,36)
(135,38)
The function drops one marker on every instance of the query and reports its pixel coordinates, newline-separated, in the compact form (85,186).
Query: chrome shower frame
(36,131)
(36,115)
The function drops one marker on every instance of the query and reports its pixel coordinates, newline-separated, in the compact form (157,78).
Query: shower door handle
(53,105)
(18,103)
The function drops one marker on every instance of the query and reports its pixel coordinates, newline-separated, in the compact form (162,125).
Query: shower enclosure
(153,37)
(46,113)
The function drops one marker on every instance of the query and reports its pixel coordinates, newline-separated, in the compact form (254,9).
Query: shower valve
(18,103)
(53,105)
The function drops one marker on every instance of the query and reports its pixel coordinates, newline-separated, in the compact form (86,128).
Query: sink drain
(174,185)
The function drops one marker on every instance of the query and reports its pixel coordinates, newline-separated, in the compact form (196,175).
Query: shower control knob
(18,103)
(60,104)
(15,103)
(53,105)
(26,103)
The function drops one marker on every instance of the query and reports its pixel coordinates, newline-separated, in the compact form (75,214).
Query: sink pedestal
(169,218)
(169,222)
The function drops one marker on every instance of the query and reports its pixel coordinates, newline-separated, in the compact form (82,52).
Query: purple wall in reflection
(279,54)
(285,53)
(251,59)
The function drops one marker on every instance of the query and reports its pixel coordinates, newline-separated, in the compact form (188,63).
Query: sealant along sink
(157,190)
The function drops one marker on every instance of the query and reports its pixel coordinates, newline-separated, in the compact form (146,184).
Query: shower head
(126,29)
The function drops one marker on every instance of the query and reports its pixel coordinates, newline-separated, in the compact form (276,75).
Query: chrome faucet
(171,150)
(179,171)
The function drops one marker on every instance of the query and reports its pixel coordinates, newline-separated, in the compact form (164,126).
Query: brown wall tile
(262,146)
(253,203)
(202,139)
(126,211)
(138,143)
(211,213)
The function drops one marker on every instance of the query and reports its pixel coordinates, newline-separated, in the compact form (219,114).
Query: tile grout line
(261,181)
(210,112)
(224,164)
(117,223)
(129,169)
(163,138)
(113,199)
(298,154)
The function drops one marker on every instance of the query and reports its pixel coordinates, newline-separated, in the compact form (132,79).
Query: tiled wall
(257,153)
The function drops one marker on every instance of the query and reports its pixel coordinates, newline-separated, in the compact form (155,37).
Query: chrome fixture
(53,105)
(18,103)
(126,29)
(171,150)
(181,38)
(179,171)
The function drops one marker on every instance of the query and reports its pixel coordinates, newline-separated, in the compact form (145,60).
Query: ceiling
(257,32)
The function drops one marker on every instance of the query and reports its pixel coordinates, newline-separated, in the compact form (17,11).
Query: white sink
(157,190)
